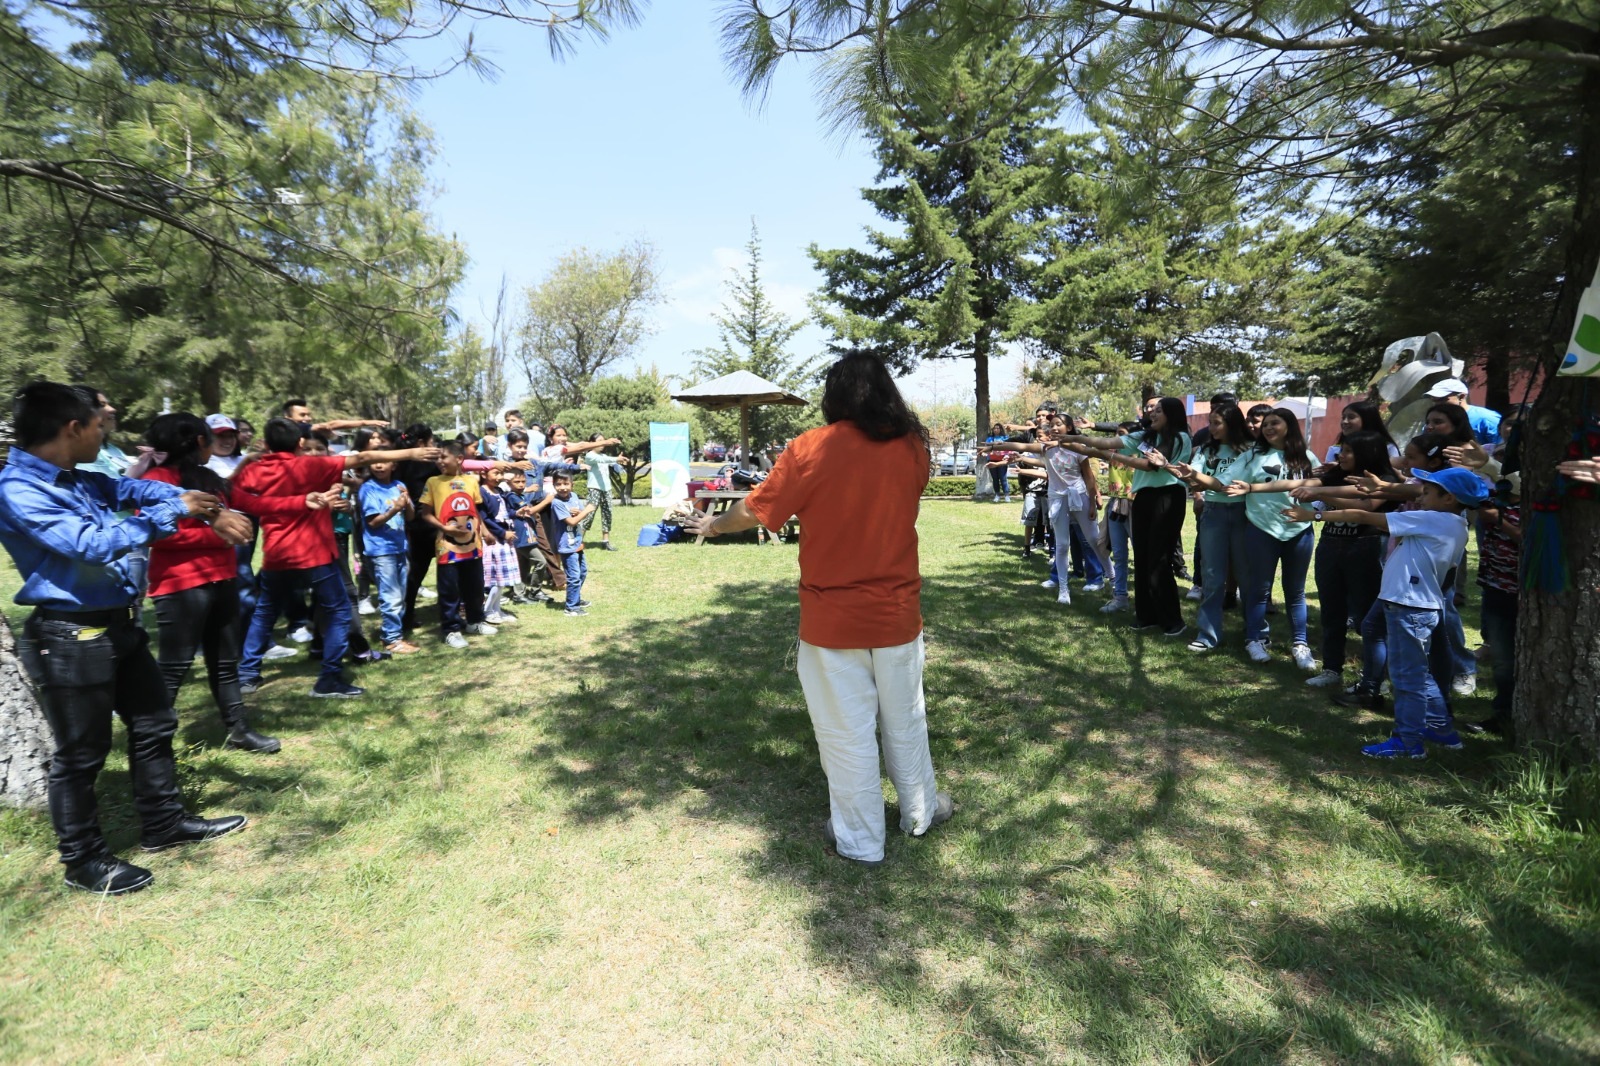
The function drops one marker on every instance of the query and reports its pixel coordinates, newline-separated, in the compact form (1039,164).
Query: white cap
(220,422)
(1448,387)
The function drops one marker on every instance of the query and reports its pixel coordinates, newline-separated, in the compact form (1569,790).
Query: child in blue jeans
(569,519)
(1427,543)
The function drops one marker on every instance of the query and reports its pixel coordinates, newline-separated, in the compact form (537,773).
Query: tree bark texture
(980,374)
(1558,635)
(25,742)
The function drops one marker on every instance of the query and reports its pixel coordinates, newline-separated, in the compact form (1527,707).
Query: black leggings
(420,542)
(1157,532)
(204,618)
(1349,571)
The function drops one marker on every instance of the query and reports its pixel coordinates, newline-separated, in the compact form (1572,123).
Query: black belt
(108,617)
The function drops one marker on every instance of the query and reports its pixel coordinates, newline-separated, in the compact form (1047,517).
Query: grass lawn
(598,840)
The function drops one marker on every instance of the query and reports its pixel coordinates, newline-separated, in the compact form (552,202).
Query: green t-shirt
(1265,509)
(1155,479)
(1224,465)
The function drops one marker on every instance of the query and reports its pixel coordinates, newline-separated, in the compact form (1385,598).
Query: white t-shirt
(1426,545)
(1065,472)
(224,465)
(1334,450)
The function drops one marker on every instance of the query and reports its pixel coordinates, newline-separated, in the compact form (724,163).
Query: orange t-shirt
(857,500)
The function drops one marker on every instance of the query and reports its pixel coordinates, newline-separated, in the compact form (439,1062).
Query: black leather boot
(242,737)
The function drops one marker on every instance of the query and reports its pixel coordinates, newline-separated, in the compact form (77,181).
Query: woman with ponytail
(194,581)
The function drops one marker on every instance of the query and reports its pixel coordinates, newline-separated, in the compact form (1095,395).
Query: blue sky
(646,136)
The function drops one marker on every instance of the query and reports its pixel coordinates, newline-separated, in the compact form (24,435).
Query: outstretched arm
(736,519)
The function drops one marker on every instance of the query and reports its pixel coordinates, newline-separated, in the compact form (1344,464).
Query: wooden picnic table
(720,501)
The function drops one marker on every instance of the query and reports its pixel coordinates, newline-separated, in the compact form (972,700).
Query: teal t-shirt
(1156,479)
(1265,509)
(1224,465)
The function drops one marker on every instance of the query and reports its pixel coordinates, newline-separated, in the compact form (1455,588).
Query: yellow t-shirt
(454,501)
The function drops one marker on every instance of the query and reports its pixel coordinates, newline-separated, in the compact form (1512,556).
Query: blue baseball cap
(1468,488)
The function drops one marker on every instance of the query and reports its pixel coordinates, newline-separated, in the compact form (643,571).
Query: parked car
(957,461)
(713,452)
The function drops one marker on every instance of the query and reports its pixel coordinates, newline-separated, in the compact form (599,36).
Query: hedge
(951,486)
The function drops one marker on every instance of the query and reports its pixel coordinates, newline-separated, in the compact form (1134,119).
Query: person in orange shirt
(856,485)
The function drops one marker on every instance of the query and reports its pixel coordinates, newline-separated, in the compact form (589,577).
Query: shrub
(951,486)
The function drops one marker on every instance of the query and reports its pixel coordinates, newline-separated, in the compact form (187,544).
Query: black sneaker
(574,612)
(1176,631)
(1359,696)
(585,603)
(109,876)
(335,688)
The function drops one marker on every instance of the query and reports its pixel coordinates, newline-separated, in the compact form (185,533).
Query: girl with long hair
(856,484)
(194,582)
(1271,540)
(1159,504)
(1363,416)
(1073,500)
(1222,519)
(1449,421)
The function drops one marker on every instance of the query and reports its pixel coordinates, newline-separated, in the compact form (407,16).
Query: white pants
(1062,516)
(854,694)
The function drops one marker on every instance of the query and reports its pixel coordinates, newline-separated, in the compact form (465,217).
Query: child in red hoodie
(299,548)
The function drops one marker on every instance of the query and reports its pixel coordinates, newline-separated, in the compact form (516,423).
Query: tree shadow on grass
(1088,893)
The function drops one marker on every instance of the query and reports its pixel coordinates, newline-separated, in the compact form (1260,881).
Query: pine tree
(753,335)
(964,170)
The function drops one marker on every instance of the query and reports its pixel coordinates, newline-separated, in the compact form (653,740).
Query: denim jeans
(391,572)
(278,588)
(246,578)
(1086,556)
(576,568)
(1459,656)
(1418,701)
(1500,631)
(1374,645)
(1349,571)
(1220,546)
(1117,531)
(1263,553)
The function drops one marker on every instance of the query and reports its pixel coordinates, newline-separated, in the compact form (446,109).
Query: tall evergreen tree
(964,172)
(753,335)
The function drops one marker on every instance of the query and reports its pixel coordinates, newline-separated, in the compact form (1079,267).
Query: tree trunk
(210,386)
(981,345)
(1497,380)
(1558,635)
(25,743)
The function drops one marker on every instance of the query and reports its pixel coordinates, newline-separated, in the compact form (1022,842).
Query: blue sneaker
(1444,738)
(1394,748)
(335,688)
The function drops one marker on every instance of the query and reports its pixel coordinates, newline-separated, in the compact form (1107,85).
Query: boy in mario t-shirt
(449,505)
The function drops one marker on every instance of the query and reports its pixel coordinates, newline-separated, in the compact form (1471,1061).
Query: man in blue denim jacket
(81,646)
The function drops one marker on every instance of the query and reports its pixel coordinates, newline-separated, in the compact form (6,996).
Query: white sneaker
(1196,593)
(1095,586)
(1257,650)
(302,635)
(364,607)
(455,640)
(1117,604)
(500,619)
(1464,684)
(426,593)
(1301,655)
(481,629)
(1065,598)
(1047,584)
(278,651)
(1326,679)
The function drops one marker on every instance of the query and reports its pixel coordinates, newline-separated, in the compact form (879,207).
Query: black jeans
(1349,571)
(205,618)
(420,543)
(84,673)
(1157,534)
(460,593)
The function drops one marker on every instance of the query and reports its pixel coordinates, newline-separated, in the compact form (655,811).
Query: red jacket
(191,557)
(273,488)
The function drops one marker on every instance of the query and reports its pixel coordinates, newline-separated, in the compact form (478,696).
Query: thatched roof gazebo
(743,390)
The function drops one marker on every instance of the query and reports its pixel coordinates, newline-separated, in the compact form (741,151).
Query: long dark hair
(179,437)
(858,389)
(1461,432)
(1177,425)
(1371,416)
(1233,422)
(1370,451)
(1432,446)
(1294,441)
